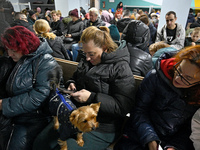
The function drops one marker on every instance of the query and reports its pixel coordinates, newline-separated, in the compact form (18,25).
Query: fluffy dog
(68,119)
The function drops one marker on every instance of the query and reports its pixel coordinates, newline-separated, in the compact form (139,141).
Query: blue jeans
(75,48)
(25,130)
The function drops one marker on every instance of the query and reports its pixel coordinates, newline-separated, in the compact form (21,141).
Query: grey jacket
(179,40)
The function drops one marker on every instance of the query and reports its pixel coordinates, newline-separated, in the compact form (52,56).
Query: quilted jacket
(111,83)
(24,95)
(161,113)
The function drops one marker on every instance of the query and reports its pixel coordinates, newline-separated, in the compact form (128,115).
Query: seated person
(103,75)
(171,33)
(158,49)
(27,86)
(137,36)
(56,25)
(21,20)
(42,29)
(74,30)
(94,19)
(166,100)
(194,39)
(31,17)
(6,66)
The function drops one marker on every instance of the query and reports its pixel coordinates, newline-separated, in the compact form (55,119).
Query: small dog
(68,119)
(83,118)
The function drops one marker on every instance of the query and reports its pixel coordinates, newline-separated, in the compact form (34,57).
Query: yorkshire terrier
(68,119)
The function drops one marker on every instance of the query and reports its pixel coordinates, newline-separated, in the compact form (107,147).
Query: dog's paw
(80,143)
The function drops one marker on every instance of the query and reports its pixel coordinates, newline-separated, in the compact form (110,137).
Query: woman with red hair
(27,85)
(166,100)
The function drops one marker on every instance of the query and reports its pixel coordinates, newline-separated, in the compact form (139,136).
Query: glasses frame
(184,80)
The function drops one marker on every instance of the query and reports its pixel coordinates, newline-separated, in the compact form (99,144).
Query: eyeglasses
(183,79)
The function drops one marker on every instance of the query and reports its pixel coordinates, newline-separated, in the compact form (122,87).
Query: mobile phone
(66,91)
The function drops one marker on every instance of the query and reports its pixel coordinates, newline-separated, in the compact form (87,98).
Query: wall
(66,5)
(125,2)
(181,15)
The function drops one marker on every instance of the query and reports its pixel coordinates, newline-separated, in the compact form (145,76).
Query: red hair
(192,53)
(20,39)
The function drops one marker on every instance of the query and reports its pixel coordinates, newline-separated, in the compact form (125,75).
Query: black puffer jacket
(58,48)
(161,112)
(122,23)
(137,35)
(111,83)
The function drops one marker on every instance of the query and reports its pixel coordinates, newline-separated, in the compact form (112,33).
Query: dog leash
(63,100)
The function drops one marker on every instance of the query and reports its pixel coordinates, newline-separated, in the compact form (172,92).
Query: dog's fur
(82,118)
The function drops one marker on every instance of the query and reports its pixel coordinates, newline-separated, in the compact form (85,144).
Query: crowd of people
(111,46)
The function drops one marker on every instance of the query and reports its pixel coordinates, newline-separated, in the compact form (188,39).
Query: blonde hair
(100,36)
(42,28)
(196,30)
(53,12)
(158,45)
(59,13)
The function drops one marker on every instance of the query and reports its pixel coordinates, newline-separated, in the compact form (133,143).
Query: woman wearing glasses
(165,103)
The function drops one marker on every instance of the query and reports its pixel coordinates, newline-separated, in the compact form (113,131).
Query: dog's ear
(74,117)
(95,106)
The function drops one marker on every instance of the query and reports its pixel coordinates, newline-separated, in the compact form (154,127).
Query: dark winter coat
(97,23)
(57,27)
(153,33)
(122,23)
(25,97)
(161,112)
(75,29)
(19,22)
(111,83)
(6,66)
(58,48)
(188,41)
(196,23)
(137,35)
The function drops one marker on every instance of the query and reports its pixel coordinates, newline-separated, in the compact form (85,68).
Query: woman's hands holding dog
(80,96)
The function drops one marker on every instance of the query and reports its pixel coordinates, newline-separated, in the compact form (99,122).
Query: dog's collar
(63,100)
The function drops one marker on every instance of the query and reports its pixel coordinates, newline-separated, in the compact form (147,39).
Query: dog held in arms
(69,120)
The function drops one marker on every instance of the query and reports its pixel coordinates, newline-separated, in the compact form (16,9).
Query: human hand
(153,145)
(68,35)
(71,87)
(0,104)
(81,96)
(193,43)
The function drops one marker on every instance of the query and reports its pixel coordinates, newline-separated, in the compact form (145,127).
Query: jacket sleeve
(140,115)
(159,35)
(79,32)
(148,65)
(31,100)
(195,136)
(178,43)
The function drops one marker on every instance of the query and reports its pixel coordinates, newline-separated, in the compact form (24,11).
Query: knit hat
(114,33)
(74,13)
(31,13)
